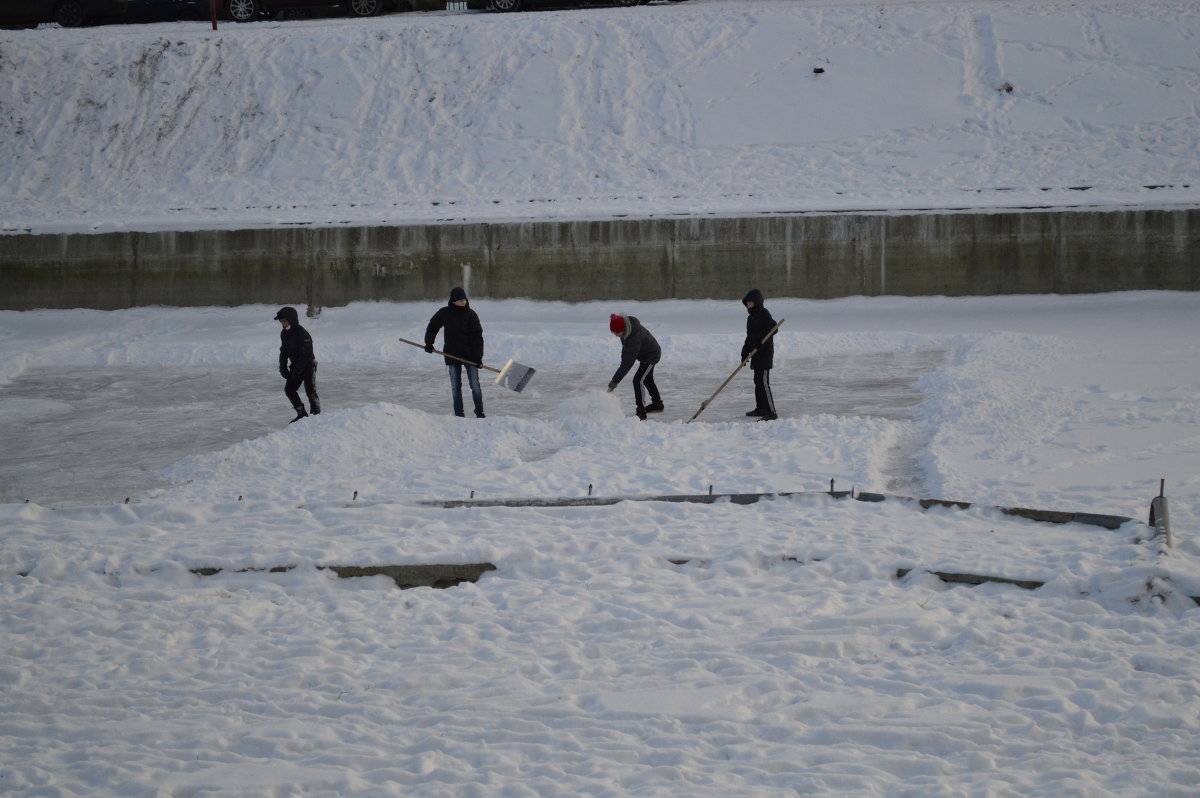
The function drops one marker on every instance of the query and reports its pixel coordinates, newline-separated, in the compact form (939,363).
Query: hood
(754,296)
(289,313)
(456,294)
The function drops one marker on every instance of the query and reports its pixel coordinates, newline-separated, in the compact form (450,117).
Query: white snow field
(644,648)
(708,106)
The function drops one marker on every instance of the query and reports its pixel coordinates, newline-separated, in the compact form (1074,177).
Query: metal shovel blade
(515,376)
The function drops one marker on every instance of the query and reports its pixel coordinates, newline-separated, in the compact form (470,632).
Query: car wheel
(365,8)
(243,10)
(68,13)
(506,5)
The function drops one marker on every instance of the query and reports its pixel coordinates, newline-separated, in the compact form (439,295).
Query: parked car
(250,10)
(168,10)
(521,5)
(68,13)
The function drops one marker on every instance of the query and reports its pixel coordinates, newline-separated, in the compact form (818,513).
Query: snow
(643,648)
(703,107)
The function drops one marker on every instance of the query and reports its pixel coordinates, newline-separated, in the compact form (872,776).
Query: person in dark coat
(758,324)
(297,364)
(637,346)
(462,337)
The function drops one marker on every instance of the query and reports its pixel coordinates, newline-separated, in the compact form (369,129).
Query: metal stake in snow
(741,365)
(512,375)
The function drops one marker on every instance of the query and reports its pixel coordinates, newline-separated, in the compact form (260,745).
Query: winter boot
(640,413)
(757,412)
(479,414)
(300,413)
(655,407)
(315,405)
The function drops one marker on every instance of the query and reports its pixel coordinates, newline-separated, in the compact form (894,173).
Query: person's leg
(638,395)
(476,391)
(290,390)
(310,389)
(656,405)
(456,387)
(762,394)
(758,393)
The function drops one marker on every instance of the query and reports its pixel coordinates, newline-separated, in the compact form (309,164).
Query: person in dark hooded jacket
(297,364)
(758,325)
(637,346)
(463,338)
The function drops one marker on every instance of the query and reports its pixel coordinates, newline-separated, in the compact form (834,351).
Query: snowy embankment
(710,106)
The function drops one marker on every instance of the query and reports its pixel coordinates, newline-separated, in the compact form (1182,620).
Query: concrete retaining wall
(817,256)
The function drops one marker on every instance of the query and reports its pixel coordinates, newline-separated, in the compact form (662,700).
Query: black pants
(309,380)
(644,376)
(763,399)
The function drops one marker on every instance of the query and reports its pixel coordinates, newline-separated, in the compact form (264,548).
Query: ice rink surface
(97,435)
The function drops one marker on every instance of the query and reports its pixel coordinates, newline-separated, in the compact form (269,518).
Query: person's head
(753,300)
(288,317)
(458,297)
(617,325)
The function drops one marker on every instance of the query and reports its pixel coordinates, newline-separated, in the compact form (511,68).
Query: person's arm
(476,338)
(628,358)
(283,358)
(435,326)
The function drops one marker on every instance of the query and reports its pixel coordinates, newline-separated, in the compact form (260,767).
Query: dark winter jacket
(637,346)
(295,345)
(758,324)
(463,336)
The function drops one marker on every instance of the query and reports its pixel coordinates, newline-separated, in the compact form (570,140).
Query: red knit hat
(616,324)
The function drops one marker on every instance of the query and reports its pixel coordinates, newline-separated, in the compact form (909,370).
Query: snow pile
(710,106)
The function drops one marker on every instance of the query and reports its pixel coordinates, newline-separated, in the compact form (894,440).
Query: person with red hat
(637,346)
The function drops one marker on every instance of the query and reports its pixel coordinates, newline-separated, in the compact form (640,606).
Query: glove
(611,385)
(283,372)
(429,348)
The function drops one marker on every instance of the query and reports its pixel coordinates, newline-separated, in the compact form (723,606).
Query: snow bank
(710,106)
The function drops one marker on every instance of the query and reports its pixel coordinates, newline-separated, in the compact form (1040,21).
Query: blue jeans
(456,387)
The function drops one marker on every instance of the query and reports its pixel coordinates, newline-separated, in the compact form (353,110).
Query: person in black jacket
(297,364)
(637,345)
(463,338)
(758,324)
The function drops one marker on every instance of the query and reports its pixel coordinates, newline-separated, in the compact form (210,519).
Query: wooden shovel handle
(453,357)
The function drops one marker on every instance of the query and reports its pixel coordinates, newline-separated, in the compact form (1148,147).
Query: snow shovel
(741,365)
(512,375)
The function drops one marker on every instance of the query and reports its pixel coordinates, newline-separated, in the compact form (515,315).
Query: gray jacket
(637,346)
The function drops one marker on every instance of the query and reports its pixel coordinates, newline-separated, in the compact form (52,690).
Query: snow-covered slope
(706,106)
